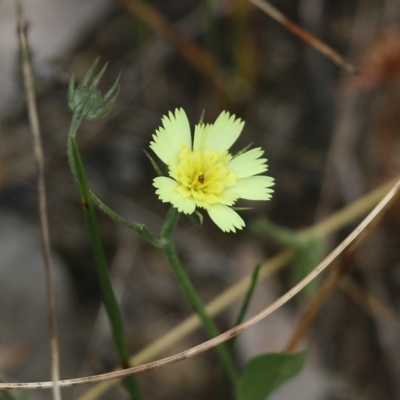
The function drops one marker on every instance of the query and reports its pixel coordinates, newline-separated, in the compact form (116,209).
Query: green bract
(86,100)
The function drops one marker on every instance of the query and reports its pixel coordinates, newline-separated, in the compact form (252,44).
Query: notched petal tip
(225,218)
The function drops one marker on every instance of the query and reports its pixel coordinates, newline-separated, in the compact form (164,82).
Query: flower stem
(109,298)
(141,229)
(190,293)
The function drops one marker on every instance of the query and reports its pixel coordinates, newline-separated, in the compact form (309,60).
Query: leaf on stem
(266,372)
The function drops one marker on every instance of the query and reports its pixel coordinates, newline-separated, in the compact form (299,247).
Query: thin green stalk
(141,229)
(223,392)
(190,293)
(246,301)
(110,301)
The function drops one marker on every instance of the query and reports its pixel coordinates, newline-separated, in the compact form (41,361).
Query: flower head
(202,172)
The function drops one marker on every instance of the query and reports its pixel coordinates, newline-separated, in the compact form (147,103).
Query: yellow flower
(203,173)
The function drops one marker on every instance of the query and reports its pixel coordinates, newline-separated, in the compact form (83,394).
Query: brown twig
(38,153)
(382,205)
(307,37)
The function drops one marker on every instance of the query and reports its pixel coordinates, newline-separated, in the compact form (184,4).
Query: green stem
(223,392)
(246,301)
(141,229)
(109,299)
(190,293)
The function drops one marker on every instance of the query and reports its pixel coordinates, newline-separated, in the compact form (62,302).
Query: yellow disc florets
(203,176)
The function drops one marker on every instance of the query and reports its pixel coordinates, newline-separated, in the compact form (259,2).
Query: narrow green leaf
(247,298)
(265,373)
(224,388)
(154,164)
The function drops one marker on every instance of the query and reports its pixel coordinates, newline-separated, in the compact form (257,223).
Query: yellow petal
(172,137)
(249,163)
(224,132)
(254,188)
(225,218)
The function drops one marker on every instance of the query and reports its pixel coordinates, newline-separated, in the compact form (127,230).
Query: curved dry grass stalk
(42,199)
(382,205)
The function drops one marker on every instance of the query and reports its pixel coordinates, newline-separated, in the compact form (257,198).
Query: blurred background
(330,137)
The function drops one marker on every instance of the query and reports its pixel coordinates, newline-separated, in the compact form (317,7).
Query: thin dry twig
(307,37)
(42,200)
(382,205)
